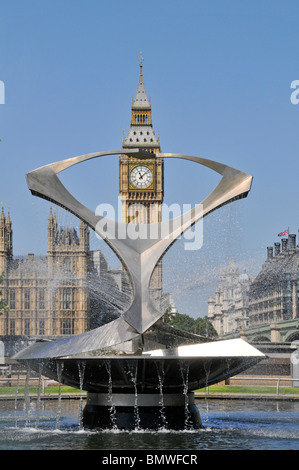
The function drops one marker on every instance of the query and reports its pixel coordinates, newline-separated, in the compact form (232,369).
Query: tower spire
(141,59)
(141,133)
(141,100)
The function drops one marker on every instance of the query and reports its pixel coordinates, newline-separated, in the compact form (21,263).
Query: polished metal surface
(139,255)
(113,353)
(184,368)
(141,399)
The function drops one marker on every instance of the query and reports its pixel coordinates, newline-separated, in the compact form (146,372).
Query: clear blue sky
(218,74)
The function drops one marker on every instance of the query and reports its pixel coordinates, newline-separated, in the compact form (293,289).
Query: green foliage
(199,326)
(34,390)
(258,389)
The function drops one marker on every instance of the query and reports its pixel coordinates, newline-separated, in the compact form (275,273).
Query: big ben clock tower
(141,180)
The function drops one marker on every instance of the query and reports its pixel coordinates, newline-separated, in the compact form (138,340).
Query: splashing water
(16,401)
(161,375)
(110,396)
(184,369)
(60,366)
(132,372)
(27,397)
(81,368)
(38,404)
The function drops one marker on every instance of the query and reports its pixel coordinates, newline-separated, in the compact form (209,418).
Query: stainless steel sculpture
(139,256)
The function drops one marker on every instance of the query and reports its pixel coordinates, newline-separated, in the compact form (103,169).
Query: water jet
(129,384)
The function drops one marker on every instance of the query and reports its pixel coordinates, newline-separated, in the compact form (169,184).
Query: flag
(281,234)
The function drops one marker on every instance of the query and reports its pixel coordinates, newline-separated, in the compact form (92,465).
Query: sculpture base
(141,411)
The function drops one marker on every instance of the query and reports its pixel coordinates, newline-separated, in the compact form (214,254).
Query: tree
(3,304)
(199,326)
(204,327)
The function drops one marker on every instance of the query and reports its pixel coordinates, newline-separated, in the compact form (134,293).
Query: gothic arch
(260,338)
(292,336)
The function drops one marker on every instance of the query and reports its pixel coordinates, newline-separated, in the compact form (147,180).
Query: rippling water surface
(227,425)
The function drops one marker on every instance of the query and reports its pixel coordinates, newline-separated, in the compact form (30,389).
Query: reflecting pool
(227,425)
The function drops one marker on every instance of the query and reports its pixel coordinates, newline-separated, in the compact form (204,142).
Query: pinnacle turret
(141,133)
(141,100)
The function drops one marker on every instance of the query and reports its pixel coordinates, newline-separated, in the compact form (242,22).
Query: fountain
(129,384)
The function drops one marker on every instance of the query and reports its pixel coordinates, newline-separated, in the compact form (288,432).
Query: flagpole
(285,232)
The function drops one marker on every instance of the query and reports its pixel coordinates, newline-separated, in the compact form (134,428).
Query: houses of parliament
(61,293)
(71,289)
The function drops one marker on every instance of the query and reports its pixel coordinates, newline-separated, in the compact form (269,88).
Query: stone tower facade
(69,291)
(68,261)
(141,180)
(228,311)
(46,295)
(5,242)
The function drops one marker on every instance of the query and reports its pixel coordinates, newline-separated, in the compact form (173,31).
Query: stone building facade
(71,289)
(271,297)
(66,292)
(274,293)
(141,179)
(228,311)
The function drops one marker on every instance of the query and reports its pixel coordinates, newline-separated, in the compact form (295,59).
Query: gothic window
(12,326)
(12,299)
(67,298)
(67,326)
(27,299)
(41,299)
(67,265)
(27,327)
(41,327)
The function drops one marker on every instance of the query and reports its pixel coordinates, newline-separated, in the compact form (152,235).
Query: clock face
(141,176)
